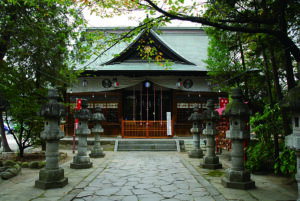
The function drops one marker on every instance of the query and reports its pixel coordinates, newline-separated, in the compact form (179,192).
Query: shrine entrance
(145,111)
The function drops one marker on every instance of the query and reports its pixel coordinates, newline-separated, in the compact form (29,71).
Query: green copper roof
(189,44)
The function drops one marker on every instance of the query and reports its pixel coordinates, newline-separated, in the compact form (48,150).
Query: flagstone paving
(146,176)
(154,176)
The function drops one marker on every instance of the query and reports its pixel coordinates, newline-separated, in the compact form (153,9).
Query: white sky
(132,19)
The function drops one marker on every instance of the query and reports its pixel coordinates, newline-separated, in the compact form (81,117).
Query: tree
(39,43)
(277,18)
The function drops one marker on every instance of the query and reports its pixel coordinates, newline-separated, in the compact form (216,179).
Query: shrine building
(140,98)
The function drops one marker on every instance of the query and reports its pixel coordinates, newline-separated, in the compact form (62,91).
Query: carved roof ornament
(53,108)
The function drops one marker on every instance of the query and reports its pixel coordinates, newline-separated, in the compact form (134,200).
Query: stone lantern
(210,160)
(196,130)
(98,117)
(292,102)
(52,176)
(237,111)
(81,160)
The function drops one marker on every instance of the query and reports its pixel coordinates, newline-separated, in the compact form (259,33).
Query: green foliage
(286,163)
(42,164)
(267,124)
(40,44)
(9,163)
(34,165)
(260,156)
(25,165)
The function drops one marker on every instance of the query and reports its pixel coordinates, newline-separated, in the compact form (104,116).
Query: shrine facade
(141,98)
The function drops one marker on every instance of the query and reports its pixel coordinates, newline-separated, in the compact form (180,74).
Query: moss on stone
(215,173)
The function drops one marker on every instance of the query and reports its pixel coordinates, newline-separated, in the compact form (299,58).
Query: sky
(132,19)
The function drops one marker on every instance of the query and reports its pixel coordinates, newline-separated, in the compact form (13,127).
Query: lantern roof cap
(98,116)
(292,100)
(53,108)
(195,116)
(236,107)
(83,113)
(210,113)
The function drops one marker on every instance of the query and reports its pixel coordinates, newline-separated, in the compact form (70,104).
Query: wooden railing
(145,129)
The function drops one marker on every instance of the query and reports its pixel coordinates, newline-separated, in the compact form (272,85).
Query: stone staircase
(147,145)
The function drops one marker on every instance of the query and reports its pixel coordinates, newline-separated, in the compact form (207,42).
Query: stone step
(147,145)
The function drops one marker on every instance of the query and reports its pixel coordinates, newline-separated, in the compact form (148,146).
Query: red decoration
(223,102)
(78,107)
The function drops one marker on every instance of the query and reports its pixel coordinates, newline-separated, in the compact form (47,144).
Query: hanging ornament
(141,111)
(133,103)
(147,84)
(154,102)
(179,83)
(84,83)
(115,82)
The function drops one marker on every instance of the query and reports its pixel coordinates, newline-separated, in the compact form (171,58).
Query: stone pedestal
(237,111)
(52,176)
(98,117)
(197,151)
(210,160)
(196,130)
(292,102)
(82,160)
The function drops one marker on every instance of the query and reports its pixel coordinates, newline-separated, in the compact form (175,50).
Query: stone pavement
(147,176)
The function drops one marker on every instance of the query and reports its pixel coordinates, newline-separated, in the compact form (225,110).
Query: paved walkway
(143,176)
(147,176)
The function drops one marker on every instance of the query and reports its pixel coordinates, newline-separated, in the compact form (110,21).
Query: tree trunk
(267,74)
(284,116)
(275,134)
(244,69)
(5,145)
(21,153)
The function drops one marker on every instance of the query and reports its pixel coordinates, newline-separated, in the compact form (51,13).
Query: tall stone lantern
(237,111)
(292,102)
(52,176)
(98,117)
(210,160)
(82,160)
(196,130)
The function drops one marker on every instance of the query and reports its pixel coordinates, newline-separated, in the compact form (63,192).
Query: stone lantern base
(237,179)
(211,163)
(81,162)
(51,179)
(97,153)
(196,153)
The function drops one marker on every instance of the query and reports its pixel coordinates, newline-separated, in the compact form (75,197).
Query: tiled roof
(189,43)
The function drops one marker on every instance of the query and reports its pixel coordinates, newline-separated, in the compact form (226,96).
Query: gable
(143,46)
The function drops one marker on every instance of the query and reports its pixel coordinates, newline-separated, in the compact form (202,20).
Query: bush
(286,163)
(34,165)
(9,163)
(25,165)
(260,156)
(42,164)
